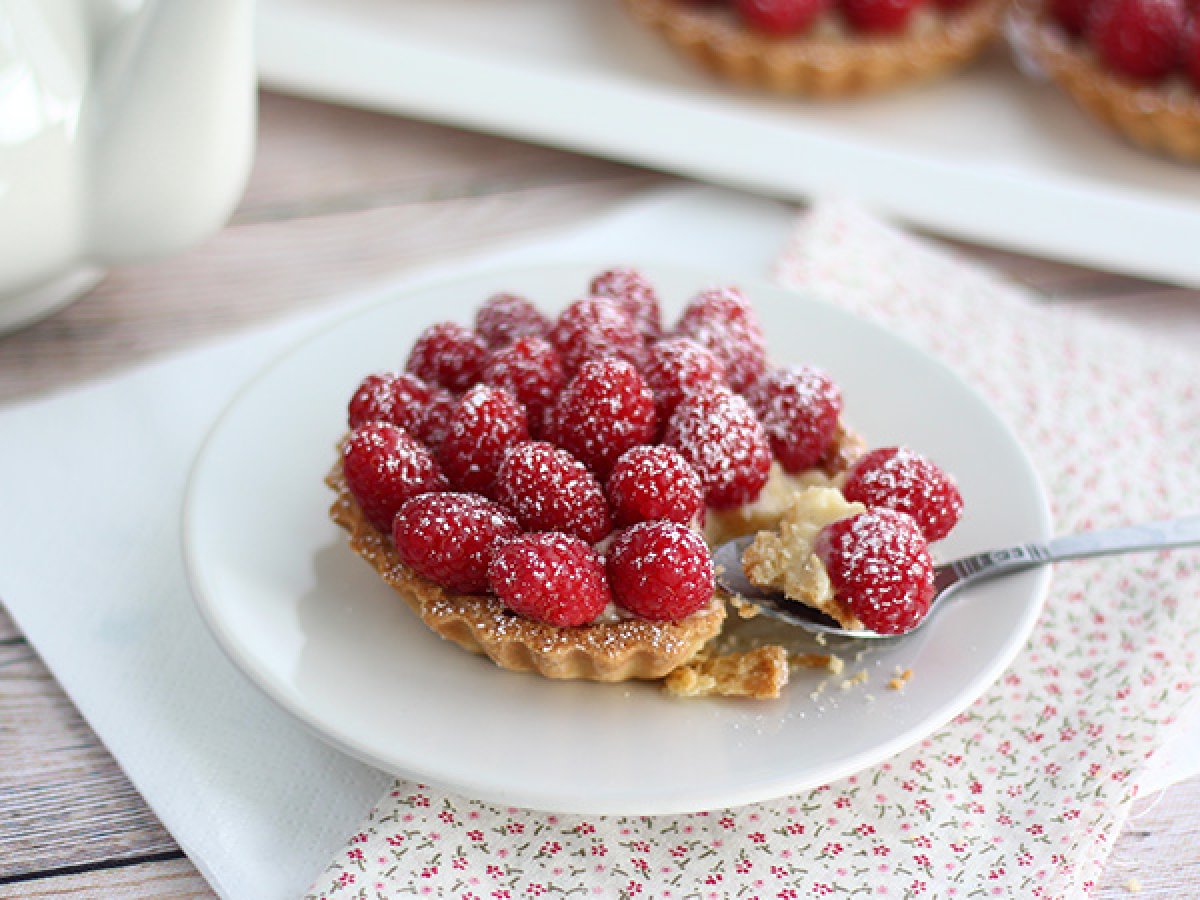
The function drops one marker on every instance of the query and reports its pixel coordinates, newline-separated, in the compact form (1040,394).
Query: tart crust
(1164,119)
(614,651)
(820,66)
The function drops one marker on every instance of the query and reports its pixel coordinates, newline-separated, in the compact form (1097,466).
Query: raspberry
(650,483)
(1072,15)
(1137,38)
(1191,49)
(449,538)
(899,479)
(717,306)
(384,467)
(799,409)
(677,367)
(723,322)
(604,410)
(779,17)
(505,317)
(660,571)
(399,398)
(550,490)
(879,16)
(449,355)
(717,432)
(485,422)
(551,578)
(593,328)
(435,418)
(529,369)
(636,297)
(880,568)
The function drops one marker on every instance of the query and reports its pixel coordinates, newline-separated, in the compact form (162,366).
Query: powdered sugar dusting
(593,328)
(549,490)
(447,354)
(900,479)
(799,408)
(719,435)
(636,297)
(880,567)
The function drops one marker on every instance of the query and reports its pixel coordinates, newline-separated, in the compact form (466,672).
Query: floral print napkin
(1024,792)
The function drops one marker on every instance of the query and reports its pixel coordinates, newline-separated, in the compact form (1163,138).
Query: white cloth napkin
(92,570)
(1023,793)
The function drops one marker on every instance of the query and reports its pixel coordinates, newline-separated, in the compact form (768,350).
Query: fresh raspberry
(604,410)
(1137,38)
(435,418)
(907,482)
(879,16)
(399,398)
(650,483)
(880,568)
(449,355)
(553,578)
(717,306)
(779,17)
(1072,15)
(799,409)
(1191,48)
(449,538)
(724,322)
(505,317)
(529,369)
(384,466)
(677,367)
(486,421)
(593,328)
(717,432)
(550,490)
(635,295)
(660,571)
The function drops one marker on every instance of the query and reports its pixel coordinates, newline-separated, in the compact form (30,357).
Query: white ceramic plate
(987,156)
(312,625)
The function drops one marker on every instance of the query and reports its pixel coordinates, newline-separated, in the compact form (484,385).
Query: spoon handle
(1182,532)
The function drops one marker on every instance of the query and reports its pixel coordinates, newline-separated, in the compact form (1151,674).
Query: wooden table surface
(338,199)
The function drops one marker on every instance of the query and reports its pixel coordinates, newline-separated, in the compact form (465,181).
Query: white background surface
(987,156)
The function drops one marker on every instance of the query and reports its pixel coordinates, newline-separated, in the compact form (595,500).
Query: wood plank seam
(60,871)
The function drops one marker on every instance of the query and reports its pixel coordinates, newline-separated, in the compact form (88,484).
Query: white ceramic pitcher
(126,132)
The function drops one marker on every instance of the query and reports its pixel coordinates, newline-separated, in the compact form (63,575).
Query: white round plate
(312,625)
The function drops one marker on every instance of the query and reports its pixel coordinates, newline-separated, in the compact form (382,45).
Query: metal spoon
(951,576)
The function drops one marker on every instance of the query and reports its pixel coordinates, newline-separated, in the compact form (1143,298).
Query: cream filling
(785,559)
(722,525)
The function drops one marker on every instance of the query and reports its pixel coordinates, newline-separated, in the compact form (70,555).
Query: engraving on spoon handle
(1182,532)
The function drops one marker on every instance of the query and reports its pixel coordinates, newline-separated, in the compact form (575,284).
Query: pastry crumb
(1133,886)
(743,607)
(828,661)
(859,677)
(759,674)
(900,679)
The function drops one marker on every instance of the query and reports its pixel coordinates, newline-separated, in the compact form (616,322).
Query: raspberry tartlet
(546,491)
(1132,65)
(825,48)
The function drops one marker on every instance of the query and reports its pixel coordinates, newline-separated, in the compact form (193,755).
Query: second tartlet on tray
(826,48)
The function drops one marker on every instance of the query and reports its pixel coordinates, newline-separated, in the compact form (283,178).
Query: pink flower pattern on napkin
(1021,794)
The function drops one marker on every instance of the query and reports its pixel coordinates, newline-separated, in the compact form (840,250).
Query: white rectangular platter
(989,156)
